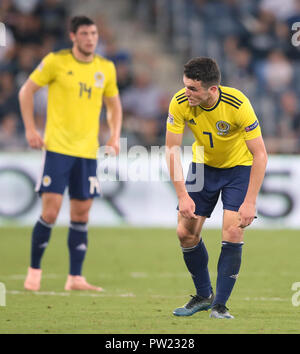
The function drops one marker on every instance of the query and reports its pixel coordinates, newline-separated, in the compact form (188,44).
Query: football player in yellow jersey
(233,166)
(78,81)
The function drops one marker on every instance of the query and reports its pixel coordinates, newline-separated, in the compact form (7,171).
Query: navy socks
(77,244)
(40,238)
(196,260)
(228,268)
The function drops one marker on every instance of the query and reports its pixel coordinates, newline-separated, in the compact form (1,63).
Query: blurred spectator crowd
(250,39)
(33,28)
(36,27)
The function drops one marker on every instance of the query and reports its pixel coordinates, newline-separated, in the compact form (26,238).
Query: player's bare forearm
(248,208)
(185,203)
(114,115)
(256,178)
(175,171)
(114,121)
(258,169)
(26,95)
(173,143)
(26,99)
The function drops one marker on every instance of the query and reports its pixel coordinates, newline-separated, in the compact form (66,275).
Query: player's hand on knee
(246,214)
(187,207)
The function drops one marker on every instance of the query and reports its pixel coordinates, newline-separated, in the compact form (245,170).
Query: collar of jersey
(215,105)
(82,62)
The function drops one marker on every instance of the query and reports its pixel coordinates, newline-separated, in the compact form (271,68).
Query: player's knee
(182,233)
(80,216)
(186,238)
(80,210)
(233,234)
(50,216)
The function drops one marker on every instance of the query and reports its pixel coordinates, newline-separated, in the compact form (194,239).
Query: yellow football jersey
(75,93)
(222,129)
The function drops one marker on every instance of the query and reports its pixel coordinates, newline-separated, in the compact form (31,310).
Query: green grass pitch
(144,277)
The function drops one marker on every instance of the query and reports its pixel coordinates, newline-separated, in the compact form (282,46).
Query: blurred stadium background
(149,41)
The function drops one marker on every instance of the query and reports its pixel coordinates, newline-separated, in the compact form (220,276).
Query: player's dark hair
(203,69)
(78,21)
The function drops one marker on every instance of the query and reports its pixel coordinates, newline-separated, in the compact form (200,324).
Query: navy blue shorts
(231,183)
(76,173)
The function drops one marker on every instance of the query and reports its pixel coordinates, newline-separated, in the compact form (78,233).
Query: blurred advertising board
(136,191)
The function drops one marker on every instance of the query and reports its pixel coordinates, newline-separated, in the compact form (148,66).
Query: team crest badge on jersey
(223,127)
(46,181)
(99,78)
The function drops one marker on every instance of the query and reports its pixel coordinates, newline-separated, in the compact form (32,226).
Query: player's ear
(72,36)
(213,89)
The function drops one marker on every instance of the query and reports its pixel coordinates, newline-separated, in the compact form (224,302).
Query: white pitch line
(262,298)
(159,275)
(83,294)
(135,275)
(23,276)
(54,293)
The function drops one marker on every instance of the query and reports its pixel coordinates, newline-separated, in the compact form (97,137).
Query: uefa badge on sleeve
(2,35)
(170,119)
